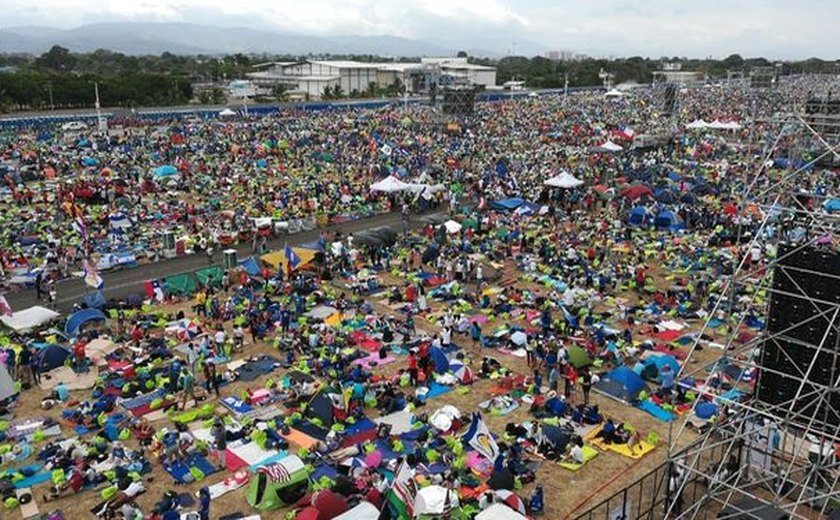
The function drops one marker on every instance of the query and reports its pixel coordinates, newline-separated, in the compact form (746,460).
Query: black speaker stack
(458,101)
(802,317)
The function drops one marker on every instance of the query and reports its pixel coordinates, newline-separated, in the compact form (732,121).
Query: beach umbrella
(510,499)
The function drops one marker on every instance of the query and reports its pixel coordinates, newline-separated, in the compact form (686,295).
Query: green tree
(462,54)
(57,58)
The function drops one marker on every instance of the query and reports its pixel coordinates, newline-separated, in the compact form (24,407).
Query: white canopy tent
(227,113)
(389,184)
(697,124)
(28,319)
(615,93)
(564,180)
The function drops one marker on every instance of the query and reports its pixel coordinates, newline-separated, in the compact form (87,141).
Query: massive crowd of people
(379,325)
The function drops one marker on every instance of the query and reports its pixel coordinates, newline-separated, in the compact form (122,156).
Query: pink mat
(374,358)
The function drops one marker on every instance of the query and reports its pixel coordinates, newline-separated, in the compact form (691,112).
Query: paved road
(121,283)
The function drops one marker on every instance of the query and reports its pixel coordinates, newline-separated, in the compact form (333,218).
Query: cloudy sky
(771,28)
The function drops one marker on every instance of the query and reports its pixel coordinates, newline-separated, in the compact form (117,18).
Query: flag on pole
(292,258)
(153,290)
(403,492)
(479,437)
(92,278)
(5,308)
(80,228)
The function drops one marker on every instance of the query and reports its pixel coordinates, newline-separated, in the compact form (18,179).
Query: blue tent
(507,204)
(439,359)
(832,205)
(51,356)
(669,220)
(688,198)
(80,318)
(665,195)
(251,266)
(661,361)
(637,216)
(705,410)
(94,300)
(621,383)
(165,171)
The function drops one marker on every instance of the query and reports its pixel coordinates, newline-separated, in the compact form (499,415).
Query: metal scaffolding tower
(769,458)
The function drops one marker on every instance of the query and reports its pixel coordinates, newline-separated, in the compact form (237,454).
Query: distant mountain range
(184,38)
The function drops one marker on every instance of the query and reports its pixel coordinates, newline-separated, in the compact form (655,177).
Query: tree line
(63,79)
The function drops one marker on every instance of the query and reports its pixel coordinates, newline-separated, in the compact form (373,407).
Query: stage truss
(786,461)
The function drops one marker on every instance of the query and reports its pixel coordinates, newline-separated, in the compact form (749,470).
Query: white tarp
(362,511)
(452,227)
(30,318)
(564,180)
(400,422)
(431,500)
(389,184)
(499,512)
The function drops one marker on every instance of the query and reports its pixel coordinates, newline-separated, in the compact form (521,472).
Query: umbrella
(519,338)
(510,499)
(635,191)
(461,371)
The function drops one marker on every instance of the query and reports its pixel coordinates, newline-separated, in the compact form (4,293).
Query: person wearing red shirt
(412,368)
(79,355)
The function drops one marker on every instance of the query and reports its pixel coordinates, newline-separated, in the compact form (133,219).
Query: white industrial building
(311,77)
(463,72)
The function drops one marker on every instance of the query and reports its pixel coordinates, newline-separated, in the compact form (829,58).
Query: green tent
(180,285)
(213,275)
(578,357)
(279,484)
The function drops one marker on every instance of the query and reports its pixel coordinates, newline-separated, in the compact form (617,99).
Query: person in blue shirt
(537,382)
(204,503)
(667,377)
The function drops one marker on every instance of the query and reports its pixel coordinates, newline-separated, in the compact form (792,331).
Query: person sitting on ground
(574,452)
(607,433)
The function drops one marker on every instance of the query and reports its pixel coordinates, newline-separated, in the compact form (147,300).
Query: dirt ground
(566,492)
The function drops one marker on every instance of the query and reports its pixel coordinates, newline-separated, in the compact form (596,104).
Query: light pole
(99,122)
(50,92)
